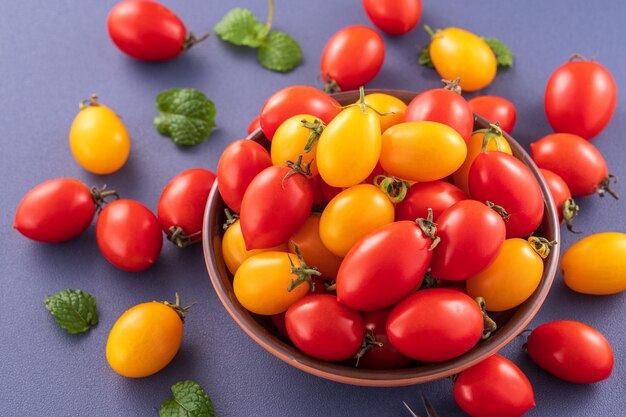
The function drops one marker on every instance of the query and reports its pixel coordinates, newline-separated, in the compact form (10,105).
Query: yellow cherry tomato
(312,248)
(291,138)
(144,339)
(98,139)
(234,249)
(422,151)
(458,53)
(474,148)
(596,264)
(349,147)
(391,106)
(261,283)
(352,214)
(510,279)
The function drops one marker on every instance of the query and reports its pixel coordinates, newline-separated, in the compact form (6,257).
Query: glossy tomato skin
(384,266)
(435,325)
(392,109)
(558,190)
(240,162)
(289,142)
(323,328)
(471,236)
(505,181)
(385,356)
(394,17)
(495,109)
(352,57)
(444,106)
(254,125)
(574,159)
(572,351)
(580,98)
(55,211)
(495,387)
(274,208)
(298,99)
(436,195)
(183,200)
(146,30)
(129,235)
(144,340)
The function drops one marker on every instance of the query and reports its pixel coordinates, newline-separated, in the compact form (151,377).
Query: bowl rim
(367,377)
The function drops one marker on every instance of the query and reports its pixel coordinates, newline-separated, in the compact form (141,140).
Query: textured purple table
(54,54)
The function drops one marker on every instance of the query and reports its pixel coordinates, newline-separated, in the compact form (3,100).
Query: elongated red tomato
(384,266)
(505,181)
(274,208)
(565,206)
(352,57)
(254,125)
(444,106)
(240,162)
(55,211)
(379,352)
(575,160)
(495,109)
(297,99)
(572,351)
(394,17)
(436,195)
(580,98)
(129,235)
(435,325)
(495,387)
(471,237)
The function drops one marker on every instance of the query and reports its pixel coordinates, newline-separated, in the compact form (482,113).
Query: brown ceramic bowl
(261,329)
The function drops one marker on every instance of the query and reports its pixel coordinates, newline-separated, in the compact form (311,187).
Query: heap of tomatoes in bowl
(379,238)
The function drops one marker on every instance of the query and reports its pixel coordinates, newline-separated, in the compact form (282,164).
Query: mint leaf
(280,52)
(187,115)
(190,400)
(74,310)
(504,56)
(424,57)
(241,27)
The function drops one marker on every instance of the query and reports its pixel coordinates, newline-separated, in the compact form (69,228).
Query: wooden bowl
(262,330)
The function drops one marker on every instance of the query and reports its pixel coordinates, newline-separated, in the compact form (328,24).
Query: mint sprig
(187,116)
(504,56)
(74,310)
(190,400)
(277,51)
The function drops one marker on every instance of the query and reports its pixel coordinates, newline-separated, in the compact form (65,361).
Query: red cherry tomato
(575,160)
(495,109)
(435,325)
(495,387)
(565,205)
(384,266)
(294,100)
(436,195)
(129,235)
(274,208)
(380,353)
(55,211)
(572,351)
(147,30)
(394,17)
(580,98)
(322,327)
(254,125)
(352,57)
(471,237)
(444,106)
(240,162)
(181,205)
(505,181)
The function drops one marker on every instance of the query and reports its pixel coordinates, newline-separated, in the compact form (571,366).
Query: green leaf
(187,115)
(504,56)
(424,57)
(241,27)
(190,400)
(280,52)
(74,310)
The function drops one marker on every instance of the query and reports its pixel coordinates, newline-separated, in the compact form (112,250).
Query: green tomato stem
(429,30)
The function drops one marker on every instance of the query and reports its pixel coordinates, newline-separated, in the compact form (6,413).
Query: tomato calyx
(429,281)
(570,210)
(605,187)
(493,133)
(429,227)
(430,410)
(368,342)
(452,85)
(393,187)
(577,57)
(177,307)
(177,236)
(500,210)
(92,101)
(297,168)
(330,86)
(99,196)
(364,106)
(303,272)
(230,219)
(489,326)
(541,245)
(316,128)
(191,40)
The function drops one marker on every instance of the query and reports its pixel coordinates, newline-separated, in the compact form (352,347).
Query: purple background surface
(55,53)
